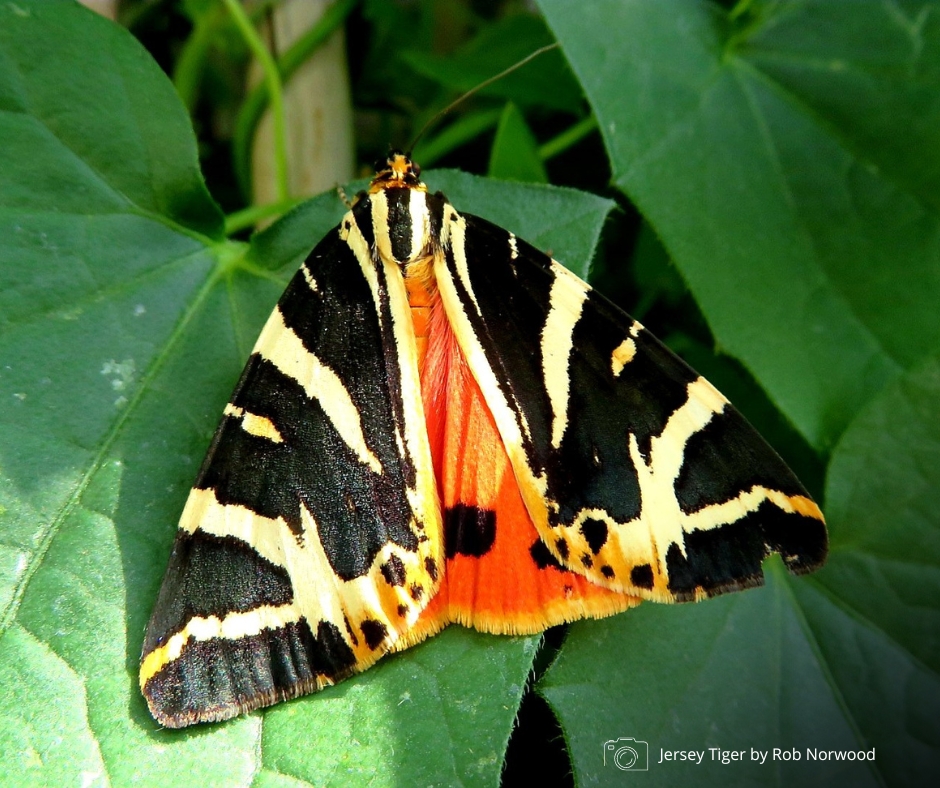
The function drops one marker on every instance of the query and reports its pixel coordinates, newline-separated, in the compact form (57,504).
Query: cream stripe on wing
(283,348)
(319,594)
(420,222)
(455,233)
(380,229)
(259,426)
(308,277)
(230,627)
(269,538)
(657,477)
(566,300)
(747,501)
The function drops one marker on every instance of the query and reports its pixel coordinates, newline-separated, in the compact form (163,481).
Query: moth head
(396,171)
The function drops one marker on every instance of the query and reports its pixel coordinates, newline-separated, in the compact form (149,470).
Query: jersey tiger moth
(440,424)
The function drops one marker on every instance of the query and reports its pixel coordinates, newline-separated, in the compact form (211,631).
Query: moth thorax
(402,224)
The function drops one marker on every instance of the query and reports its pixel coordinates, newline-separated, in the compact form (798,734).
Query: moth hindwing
(441,424)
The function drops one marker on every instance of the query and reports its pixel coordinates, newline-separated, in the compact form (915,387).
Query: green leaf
(734,673)
(881,492)
(655,274)
(135,153)
(33,742)
(788,158)
(548,83)
(125,323)
(440,714)
(515,152)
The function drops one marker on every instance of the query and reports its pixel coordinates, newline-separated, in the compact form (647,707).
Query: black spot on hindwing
(374,632)
(543,557)
(393,571)
(595,534)
(642,576)
(468,530)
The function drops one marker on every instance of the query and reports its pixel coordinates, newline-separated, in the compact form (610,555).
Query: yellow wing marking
(623,354)
(660,510)
(259,426)
(566,300)
(718,514)
(308,278)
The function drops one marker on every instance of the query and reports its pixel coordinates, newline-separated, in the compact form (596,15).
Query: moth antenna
(484,84)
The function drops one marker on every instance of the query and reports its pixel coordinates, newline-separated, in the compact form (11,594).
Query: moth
(441,424)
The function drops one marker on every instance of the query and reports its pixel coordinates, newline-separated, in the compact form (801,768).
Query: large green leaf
(845,660)
(105,226)
(135,154)
(788,155)
(125,321)
(875,611)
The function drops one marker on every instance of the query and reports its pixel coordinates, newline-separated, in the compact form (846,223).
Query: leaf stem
(188,72)
(741,7)
(189,65)
(256,101)
(240,220)
(272,80)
